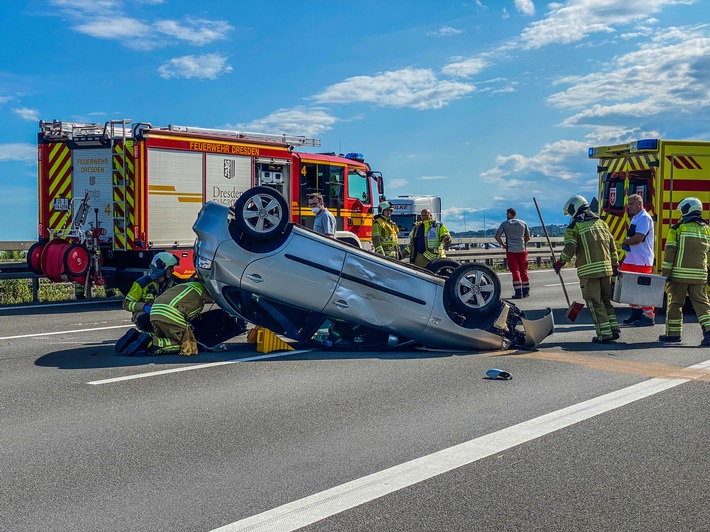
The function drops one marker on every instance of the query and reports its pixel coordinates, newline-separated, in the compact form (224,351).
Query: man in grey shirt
(325,221)
(517,235)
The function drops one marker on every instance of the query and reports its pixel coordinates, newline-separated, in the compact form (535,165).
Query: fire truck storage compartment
(174,196)
(92,175)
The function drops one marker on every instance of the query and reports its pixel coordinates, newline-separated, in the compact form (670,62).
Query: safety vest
(591,242)
(687,253)
(180,304)
(434,235)
(384,236)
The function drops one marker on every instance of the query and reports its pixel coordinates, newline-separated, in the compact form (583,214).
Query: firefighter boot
(706,339)
(129,337)
(526,291)
(666,338)
(518,294)
(142,342)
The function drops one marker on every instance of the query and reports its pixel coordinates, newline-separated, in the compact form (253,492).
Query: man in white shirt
(639,256)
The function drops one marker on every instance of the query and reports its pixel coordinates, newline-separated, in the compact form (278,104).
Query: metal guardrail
(16,245)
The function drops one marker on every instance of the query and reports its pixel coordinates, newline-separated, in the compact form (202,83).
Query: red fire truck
(113,195)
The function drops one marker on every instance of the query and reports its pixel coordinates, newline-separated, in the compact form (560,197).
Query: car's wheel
(261,213)
(443,267)
(473,289)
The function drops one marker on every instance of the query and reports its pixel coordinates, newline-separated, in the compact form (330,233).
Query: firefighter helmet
(161,262)
(385,205)
(574,205)
(690,207)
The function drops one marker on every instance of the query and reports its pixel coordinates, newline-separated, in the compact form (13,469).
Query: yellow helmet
(574,205)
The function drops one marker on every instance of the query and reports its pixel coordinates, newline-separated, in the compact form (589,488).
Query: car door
(385,294)
(303,273)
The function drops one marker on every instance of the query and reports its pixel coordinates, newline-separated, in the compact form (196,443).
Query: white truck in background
(407,209)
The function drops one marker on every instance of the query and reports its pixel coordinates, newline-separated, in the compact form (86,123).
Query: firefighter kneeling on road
(170,317)
(686,266)
(143,292)
(427,240)
(385,232)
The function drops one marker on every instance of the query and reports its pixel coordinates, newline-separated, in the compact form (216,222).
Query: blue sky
(485,103)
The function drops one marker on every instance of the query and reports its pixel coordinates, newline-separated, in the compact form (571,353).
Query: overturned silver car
(327,293)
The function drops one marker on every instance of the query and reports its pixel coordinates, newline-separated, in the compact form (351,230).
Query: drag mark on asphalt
(314,508)
(200,366)
(628,367)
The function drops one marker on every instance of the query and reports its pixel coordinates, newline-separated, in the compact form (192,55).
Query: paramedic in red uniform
(517,236)
(639,256)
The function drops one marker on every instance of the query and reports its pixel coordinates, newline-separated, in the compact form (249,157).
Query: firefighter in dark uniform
(385,232)
(588,239)
(143,292)
(686,266)
(170,316)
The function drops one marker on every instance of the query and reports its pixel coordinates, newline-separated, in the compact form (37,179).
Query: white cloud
(5,99)
(195,31)
(17,151)
(396,183)
(445,31)
(574,20)
(410,87)
(465,68)
(432,177)
(526,7)
(128,30)
(27,114)
(305,121)
(668,75)
(514,171)
(208,66)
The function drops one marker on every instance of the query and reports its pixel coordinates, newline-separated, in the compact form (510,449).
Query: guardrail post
(35,290)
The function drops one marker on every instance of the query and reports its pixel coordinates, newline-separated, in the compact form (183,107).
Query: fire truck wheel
(34,257)
(261,213)
(76,260)
(52,263)
(443,267)
(473,289)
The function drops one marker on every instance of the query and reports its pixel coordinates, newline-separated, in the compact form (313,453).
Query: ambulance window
(357,186)
(613,194)
(640,183)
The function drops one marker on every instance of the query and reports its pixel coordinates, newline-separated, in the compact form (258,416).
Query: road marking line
(201,366)
(306,511)
(66,332)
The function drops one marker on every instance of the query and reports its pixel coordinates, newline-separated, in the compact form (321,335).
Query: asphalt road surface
(584,437)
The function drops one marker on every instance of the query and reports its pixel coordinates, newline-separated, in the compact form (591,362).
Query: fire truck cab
(113,195)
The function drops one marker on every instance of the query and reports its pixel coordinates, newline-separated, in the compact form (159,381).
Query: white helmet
(161,262)
(574,205)
(690,206)
(385,205)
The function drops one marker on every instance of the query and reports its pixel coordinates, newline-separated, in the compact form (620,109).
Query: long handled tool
(574,308)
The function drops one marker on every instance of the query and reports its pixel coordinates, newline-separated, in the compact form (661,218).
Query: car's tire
(261,213)
(473,289)
(443,267)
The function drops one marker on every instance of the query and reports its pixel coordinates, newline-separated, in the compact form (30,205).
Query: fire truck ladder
(83,131)
(291,140)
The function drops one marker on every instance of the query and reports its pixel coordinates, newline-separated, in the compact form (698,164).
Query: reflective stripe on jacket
(180,304)
(687,253)
(435,234)
(591,242)
(384,235)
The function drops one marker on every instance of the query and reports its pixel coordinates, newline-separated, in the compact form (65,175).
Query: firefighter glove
(614,271)
(558,266)
(146,308)
(626,248)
